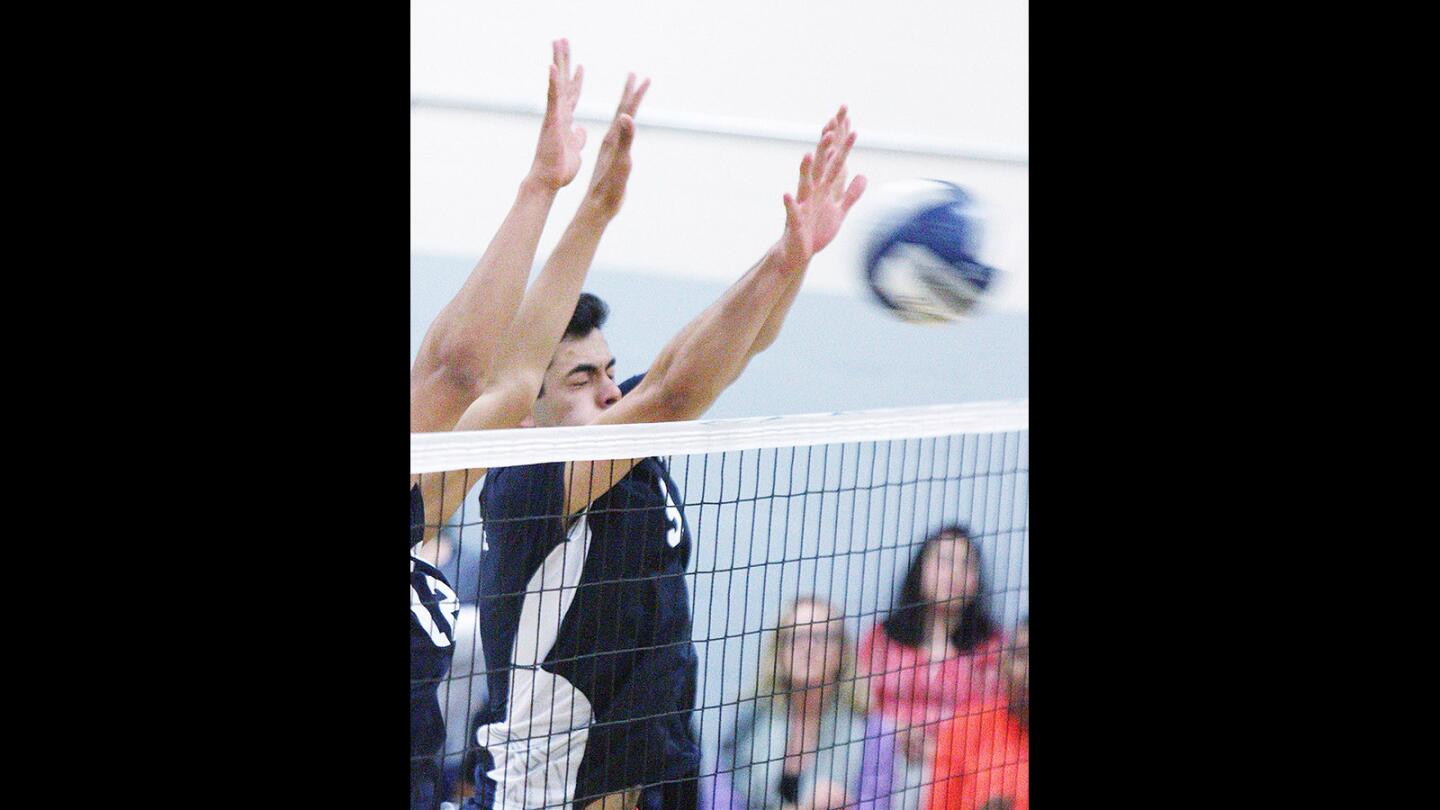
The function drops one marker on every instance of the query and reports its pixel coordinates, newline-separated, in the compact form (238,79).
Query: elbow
(763,341)
(458,366)
(676,400)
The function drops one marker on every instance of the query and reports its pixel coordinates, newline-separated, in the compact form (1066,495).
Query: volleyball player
(584,613)
(482,361)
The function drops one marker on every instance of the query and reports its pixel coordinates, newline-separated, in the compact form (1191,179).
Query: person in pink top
(938,650)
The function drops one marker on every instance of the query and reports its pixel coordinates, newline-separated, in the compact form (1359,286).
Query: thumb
(792,214)
(625,130)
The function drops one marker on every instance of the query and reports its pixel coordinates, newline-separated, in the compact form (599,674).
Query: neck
(942,621)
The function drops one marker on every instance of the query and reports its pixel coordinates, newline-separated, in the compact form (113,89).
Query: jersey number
(449,605)
(672,515)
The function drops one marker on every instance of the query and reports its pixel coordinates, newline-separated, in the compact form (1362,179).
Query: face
(580,383)
(810,646)
(951,573)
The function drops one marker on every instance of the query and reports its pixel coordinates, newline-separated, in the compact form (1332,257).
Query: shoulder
(756,713)
(989,649)
(530,490)
(876,643)
(876,635)
(629,385)
(753,729)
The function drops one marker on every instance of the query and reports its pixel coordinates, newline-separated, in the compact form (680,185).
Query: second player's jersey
(586,631)
(434,609)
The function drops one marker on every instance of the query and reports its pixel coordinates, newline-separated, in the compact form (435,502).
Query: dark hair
(907,623)
(590,314)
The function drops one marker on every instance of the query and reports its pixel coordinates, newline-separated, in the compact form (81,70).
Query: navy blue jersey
(585,626)
(433,612)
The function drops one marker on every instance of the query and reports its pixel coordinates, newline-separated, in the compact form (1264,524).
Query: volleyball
(922,260)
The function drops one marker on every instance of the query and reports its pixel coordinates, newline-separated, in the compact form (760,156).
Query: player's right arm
(547,307)
(706,356)
(460,345)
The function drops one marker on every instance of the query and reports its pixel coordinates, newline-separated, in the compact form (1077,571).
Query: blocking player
(584,613)
(464,379)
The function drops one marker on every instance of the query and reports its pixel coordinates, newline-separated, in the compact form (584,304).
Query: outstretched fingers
(639,96)
(625,94)
(564,90)
(822,158)
(631,97)
(835,179)
(852,194)
(576,82)
(806,179)
(552,93)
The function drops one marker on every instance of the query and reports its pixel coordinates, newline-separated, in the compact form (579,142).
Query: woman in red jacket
(936,652)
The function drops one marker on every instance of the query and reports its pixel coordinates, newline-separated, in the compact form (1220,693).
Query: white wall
(702,206)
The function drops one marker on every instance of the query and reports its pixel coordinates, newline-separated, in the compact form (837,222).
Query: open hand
(814,215)
(557,156)
(612,166)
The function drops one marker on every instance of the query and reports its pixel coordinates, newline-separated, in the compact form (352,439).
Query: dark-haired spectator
(936,651)
(798,744)
(982,757)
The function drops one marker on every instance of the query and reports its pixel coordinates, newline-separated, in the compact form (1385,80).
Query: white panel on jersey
(538,747)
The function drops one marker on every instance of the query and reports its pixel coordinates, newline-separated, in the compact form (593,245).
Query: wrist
(783,257)
(533,187)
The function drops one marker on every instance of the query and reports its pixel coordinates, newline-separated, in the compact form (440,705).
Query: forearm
(549,304)
(771,328)
(444,494)
(464,338)
(709,354)
(662,362)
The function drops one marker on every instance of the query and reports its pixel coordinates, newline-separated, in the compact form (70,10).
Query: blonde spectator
(798,743)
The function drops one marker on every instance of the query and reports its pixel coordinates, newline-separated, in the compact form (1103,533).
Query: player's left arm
(712,350)
(826,179)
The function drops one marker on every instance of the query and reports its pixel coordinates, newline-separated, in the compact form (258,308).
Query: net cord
(440,452)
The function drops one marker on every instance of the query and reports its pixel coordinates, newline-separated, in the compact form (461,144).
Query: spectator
(798,743)
(937,650)
(982,757)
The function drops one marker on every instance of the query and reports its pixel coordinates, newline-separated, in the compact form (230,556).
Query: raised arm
(546,309)
(830,178)
(709,353)
(461,343)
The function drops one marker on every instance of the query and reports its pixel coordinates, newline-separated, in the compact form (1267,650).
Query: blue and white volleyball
(923,258)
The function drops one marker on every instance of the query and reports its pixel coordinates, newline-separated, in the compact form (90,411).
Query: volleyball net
(830,609)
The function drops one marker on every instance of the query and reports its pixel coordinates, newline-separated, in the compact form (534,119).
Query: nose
(609,393)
